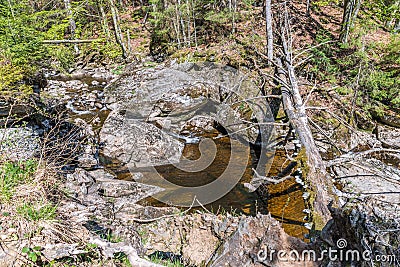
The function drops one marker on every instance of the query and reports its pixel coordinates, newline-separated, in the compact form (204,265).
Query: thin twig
(164,216)
(271,180)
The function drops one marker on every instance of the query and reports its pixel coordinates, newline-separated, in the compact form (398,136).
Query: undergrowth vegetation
(14,174)
(24,188)
(367,72)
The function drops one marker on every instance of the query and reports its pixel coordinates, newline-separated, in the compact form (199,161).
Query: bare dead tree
(117,30)
(194,23)
(180,16)
(104,20)
(296,112)
(308,7)
(177,26)
(270,36)
(72,24)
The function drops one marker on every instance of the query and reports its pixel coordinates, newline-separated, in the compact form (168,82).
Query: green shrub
(344,90)
(11,81)
(64,55)
(32,253)
(383,86)
(321,61)
(158,259)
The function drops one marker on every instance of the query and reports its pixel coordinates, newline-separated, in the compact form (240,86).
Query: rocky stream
(164,157)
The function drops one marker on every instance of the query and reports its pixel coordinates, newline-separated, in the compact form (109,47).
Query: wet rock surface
(79,97)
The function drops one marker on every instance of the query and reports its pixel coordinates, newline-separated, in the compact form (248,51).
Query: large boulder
(176,94)
(137,144)
(370,202)
(390,137)
(374,185)
(256,242)
(215,240)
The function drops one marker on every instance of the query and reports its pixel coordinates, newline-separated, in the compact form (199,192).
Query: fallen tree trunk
(71,41)
(296,113)
(314,168)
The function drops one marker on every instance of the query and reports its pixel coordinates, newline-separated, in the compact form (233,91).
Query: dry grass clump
(30,194)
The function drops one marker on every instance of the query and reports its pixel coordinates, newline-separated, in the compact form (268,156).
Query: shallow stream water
(284,201)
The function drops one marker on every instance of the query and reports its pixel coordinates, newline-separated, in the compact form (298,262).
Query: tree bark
(296,113)
(117,30)
(270,36)
(295,110)
(72,24)
(350,12)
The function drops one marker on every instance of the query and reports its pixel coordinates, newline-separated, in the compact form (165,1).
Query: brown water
(238,200)
(284,201)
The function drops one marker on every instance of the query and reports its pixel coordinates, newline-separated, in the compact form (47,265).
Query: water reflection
(284,200)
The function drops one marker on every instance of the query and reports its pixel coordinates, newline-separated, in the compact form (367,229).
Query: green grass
(122,259)
(13,174)
(37,211)
(167,263)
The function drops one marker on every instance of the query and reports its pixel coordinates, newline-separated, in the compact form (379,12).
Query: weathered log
(71,41)
(296,113)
